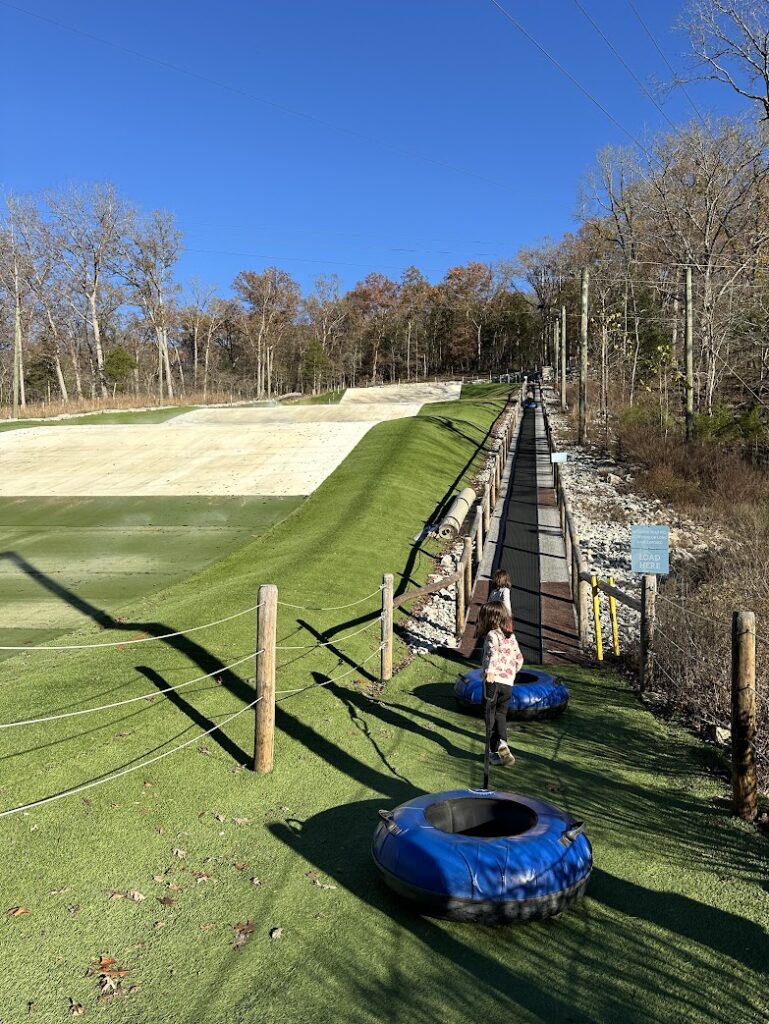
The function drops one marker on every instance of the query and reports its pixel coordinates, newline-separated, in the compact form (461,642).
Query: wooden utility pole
(266,633)
(688,359)
(556,349)
(386,672)
(582,431)
(648,617)
(744,785)
(563,358)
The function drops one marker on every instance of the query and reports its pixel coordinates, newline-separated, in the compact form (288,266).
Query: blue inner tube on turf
(490,857)
(535,694)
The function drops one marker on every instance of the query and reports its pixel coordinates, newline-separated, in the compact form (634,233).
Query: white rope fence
(129,700)
(329,643)
(136,640)
(333,679)
(127,771)
(332,608)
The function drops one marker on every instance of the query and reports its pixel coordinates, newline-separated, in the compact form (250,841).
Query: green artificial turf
(110,551)
(490,392)
(673,928)
(101,418)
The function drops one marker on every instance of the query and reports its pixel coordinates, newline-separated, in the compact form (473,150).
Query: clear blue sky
(449,80)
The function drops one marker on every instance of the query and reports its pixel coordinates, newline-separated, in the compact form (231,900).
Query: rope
(334,679)
(138,640)
(127,771)
(329,643)
(130,700)
(332,608)
(678,647)
(689,611)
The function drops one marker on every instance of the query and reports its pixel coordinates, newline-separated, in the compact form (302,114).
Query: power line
(575,82)
(252,97)
(670,67)
(624,63)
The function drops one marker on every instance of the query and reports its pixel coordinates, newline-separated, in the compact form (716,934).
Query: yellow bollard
(613,616)
(597,617)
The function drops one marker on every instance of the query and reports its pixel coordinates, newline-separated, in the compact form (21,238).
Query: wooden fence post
(386,672)
(266,634)
(468,557)
(493,484)
(583,608)
(648,614)
(597,618)
(486,507)
(479,535)
(744,785)
(460,621)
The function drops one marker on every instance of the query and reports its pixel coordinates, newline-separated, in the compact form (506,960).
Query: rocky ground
(431,624)
(605,505)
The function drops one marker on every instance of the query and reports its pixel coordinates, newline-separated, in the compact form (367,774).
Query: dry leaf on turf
(166,901)
(58,892)
(74,908)
(201,876)
(17,911)
(158,878)
(75,1009)
(242,821)
(276,933)
(242,932)
(256,881)
(220,817)
(180,854)
(207,927)
(159,924)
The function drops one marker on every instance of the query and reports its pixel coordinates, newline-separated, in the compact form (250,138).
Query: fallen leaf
(242,931)
(17,911)
(219,817)
(107,983)
(322,885)
(75,1009)
(147,784)
(158,878)
(174,887)
(180,854)
(114,894)
(30,1008)
(58,892)
(242,821)
(201,876)
(256,881)
(134,896)
(240,866)
(159,924)
(74,908)
(160,830)
(204,749)
(207,927)
(276,933)
(166,901)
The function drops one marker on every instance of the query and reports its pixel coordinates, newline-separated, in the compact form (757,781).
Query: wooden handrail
(431,588)
(615,592)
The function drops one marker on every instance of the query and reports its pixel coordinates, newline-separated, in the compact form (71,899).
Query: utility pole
(583,358)
(18,368)
(563,358)
(556,349)
(688,361)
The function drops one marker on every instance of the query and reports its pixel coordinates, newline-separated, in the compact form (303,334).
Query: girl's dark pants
(497,699)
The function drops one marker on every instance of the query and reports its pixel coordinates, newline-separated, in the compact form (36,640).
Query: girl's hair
(493,615)
(501,579)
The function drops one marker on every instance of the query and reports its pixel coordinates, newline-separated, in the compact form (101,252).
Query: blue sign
(649,549)
(559,456)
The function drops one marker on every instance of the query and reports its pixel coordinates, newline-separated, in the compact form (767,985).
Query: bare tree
(149,257)
(730,44)
(90,225)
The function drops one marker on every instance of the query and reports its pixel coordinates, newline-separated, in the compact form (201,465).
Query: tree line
(91,306)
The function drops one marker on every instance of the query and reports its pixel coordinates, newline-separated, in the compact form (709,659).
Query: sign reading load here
(649,549)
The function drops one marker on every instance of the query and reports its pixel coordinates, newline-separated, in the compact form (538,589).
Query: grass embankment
(101,418)
(674,927)
(111,551)
(485,392)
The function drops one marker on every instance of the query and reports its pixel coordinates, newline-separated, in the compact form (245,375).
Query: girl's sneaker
(505,755)
(494,758)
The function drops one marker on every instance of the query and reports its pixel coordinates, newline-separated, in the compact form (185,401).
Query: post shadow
(200,656)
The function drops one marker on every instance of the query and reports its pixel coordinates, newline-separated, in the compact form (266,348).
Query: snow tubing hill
(489,857)
(535,694)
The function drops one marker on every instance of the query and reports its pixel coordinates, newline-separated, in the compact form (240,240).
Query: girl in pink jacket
(502,659)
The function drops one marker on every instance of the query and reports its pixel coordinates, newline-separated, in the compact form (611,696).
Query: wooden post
(500,465)
(744,785)
(479,536)
(556,349)
(266,633)
(386,672)
(688,359)
(648,614)
(486,508)
(582,431)
(583,609)
(563,358)
(613,617)
(468,558)
(460,623)
(493,484)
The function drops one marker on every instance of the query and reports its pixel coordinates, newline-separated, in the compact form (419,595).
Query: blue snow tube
(535,694)
(477,855)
